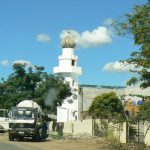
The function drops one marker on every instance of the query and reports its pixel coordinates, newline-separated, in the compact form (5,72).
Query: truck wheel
(44,134)
(11,137)
(37,136)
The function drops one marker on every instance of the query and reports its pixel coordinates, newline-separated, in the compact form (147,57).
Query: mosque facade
(74,107)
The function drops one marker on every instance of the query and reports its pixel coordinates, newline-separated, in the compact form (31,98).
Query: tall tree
(107,106)
(33,83)
(144,113)
(137,25)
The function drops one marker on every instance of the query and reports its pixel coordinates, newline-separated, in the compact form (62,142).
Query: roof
(102,86)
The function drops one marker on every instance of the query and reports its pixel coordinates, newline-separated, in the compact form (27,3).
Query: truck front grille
(21,125)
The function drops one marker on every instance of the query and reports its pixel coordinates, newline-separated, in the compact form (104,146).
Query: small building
(88,92)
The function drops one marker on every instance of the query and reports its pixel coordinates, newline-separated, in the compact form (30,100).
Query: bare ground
(63,144)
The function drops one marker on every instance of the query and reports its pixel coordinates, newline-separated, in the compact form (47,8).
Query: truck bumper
(22,132)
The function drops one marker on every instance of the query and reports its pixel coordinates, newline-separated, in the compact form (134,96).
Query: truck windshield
(23,114)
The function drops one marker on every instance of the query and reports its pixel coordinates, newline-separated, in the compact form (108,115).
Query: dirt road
(84,144)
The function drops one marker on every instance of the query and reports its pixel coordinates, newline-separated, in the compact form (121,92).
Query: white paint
(28,104)
(5,124)
(70,71)
(29,121)
(136,90)
(147,133)
(4,121)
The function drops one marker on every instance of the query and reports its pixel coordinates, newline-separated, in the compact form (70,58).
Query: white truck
(26,120)
(4,121)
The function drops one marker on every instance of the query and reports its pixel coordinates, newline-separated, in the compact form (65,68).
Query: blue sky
(30,31)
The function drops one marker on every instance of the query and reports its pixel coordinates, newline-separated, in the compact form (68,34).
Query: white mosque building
(69,70)
(76,106)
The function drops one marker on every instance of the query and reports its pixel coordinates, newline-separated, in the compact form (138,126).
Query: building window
(75,96)
(73,62)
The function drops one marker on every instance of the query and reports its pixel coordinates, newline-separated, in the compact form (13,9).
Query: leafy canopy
(107,106)
(144,113)
(33,83)
(137,26)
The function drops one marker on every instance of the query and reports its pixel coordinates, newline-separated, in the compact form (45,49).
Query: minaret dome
(68,41)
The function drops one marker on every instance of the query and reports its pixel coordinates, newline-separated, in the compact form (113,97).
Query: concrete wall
(68,128)
(123,135)
(83,127)
(136,90)
(147,133)
(79,127)
(119,131)
(88,93)
(90,127)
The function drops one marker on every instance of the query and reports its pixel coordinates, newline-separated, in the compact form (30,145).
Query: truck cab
(26,122)
(4,121)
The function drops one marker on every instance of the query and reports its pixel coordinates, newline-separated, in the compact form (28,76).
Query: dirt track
(82,144)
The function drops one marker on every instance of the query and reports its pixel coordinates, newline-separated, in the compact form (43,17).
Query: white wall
(136,90)
(83,127)
(63,114)
(147,133)
(86,128)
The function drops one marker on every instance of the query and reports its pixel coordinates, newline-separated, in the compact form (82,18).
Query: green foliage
(101,128)
(144,113)
(133,134)
(32,83)
(130,146)
(137,25)
(107,106)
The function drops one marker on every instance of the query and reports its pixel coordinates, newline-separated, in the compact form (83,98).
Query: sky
(31,32)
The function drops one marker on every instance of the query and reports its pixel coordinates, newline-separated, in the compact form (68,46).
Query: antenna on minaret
(68,31)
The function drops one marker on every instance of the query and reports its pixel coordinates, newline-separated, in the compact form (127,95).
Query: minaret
(68,69)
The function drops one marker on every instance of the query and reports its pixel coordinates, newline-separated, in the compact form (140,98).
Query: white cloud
(44,38)
(119,67)
(28,63)
(92,38)
(5,62)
